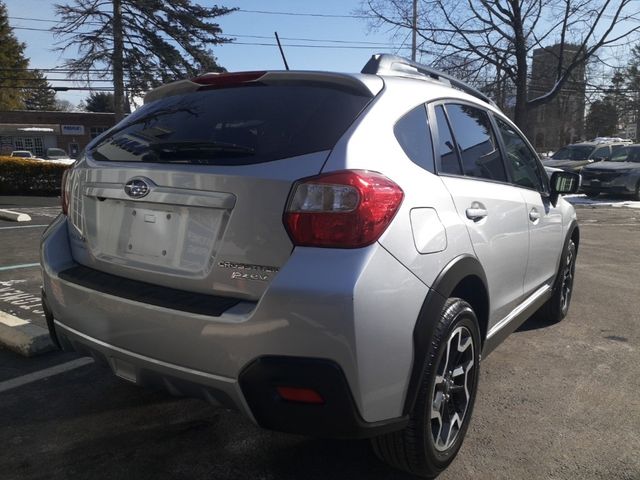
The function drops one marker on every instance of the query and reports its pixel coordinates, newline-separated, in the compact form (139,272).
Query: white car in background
(57,155)
(22,154)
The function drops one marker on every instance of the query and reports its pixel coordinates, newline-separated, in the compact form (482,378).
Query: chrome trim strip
(165,195)
(518,310)
(189,371)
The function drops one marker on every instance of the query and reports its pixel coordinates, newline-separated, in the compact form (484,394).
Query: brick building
(560,121)
(37,131)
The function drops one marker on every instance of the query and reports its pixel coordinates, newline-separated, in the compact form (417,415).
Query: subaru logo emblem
(136,188)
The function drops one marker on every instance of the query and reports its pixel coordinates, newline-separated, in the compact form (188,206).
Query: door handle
(476,212)
(534,215)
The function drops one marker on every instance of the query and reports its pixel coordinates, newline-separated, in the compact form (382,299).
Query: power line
(52,79)
(58,89)
(328,40)
(293,45)
(300,14)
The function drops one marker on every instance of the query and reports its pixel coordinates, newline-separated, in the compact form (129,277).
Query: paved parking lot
(555,401)
(20,277)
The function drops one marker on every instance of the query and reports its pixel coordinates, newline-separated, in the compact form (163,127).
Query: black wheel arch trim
(444,285)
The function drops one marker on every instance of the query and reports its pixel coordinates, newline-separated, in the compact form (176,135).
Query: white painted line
(23,265)
(22,226)
(14,216)
(41,374)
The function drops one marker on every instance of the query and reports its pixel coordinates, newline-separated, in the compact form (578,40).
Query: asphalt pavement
(555,401)
(20,277)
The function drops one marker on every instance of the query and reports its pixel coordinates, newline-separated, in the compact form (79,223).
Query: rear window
(412,133)
(234,126)
(56,152)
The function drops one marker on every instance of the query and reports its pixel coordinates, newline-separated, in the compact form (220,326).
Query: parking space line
(14,267)
(22,226)
(47,372)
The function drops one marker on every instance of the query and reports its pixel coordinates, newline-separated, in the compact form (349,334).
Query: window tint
(627,154)
(412,133)
(616,148)
(573,152)
(234,126)
(600,152)
(478,148)
(521,162)
(448,156)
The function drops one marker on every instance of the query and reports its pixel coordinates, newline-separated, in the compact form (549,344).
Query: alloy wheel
(452,389)
(567,277)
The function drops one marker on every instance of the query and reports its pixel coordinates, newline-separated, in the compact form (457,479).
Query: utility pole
(117,61)
(414,28)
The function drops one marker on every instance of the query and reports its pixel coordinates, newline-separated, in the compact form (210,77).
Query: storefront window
(33,144)
(95,131)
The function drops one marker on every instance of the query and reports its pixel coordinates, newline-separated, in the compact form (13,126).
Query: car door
(543,218)
(492,209)
(600,153)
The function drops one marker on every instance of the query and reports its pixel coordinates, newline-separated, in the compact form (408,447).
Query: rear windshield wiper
(180,151)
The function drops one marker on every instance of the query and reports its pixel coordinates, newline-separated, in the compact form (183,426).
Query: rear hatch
(188,192)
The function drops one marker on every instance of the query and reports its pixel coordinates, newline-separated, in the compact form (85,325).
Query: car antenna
(286,65)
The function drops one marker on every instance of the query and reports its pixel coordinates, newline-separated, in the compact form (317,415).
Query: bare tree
(499,35)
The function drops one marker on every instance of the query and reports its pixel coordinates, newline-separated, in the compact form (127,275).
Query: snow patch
(601,201)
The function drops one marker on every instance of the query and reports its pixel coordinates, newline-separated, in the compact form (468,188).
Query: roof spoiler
(385,64)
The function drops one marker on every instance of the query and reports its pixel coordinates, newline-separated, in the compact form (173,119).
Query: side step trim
(517,317)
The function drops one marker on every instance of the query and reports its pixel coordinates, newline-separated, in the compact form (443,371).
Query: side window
(601,152)
(448,156)
(615,149)
(521,162)
(477,143)
(412,133)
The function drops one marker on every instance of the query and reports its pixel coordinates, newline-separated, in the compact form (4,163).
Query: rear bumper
(324,305)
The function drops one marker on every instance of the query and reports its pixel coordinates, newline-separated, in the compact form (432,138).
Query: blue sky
(331,22)
(240,56)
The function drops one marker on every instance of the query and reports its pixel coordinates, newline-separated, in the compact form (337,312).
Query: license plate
(153,232)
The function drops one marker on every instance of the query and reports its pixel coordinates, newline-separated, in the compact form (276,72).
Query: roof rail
(383,63)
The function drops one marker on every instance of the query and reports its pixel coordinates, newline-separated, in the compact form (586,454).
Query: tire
(557,306)
(434,435)
(636,195)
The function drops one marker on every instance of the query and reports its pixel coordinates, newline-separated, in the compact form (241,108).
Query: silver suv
(329,254)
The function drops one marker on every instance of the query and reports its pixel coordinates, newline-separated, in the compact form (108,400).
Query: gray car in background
(619,176)
(572,158)
(330,254)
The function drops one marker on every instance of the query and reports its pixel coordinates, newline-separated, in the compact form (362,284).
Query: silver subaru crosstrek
(329,254)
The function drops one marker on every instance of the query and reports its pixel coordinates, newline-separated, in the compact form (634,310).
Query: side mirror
(563,183)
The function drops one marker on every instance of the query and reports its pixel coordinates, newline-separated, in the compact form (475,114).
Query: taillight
(346,209)
(64,195)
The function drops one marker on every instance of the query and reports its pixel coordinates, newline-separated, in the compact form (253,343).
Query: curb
(14,216)
(23,337)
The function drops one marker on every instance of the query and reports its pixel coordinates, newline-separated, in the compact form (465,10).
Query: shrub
(21,176)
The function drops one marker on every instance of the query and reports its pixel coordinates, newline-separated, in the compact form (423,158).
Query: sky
(316,35)
(325,52)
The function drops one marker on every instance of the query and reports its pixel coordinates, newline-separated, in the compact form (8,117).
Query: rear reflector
(227,79)
(346,209)
(300,395)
